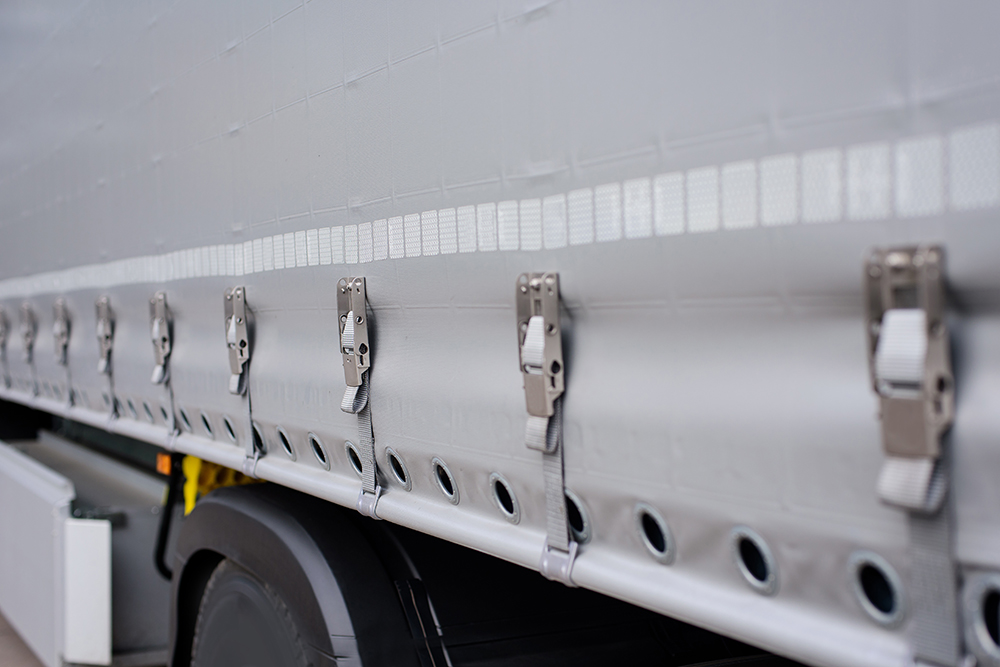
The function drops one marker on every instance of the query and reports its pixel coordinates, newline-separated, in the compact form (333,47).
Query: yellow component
(203,477)
(192,471)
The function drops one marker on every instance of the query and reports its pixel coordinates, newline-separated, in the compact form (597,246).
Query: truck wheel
(243,623)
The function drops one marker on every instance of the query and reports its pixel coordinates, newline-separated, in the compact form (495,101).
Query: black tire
(243,623)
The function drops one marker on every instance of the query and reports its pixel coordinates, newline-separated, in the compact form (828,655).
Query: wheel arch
(312,554)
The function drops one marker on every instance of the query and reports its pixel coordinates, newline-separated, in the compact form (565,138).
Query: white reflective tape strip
(779,190)
(531,224)
(337,244)
(448,231)
(608,212)
(397,246)
(554,230)
(668,204)
(429,241)
(703,199)
(822,185)
(868,183)
(325,248)
(580,205)
(508,237)
(267,250)
(380,240)
(312,247)
(411,234)
(279,251)
(366,243)
(466,221)
(258,255)
(974,161)
(901,353)
(289,245)
(638,196)
(351,244)
(909,178)
(486,227)
(739,195)
(919,172)
(301,253)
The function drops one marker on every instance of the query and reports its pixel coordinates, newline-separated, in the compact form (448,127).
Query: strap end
(557,565)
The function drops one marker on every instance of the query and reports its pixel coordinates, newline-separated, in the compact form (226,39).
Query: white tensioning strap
(541,433)
(902,348)
(914,483)
(253,452)
(533,349)
(347,338)
(237,321)
(544,434)
(557,528)
(934,629)
(918,484)
(900,359)
(355,401)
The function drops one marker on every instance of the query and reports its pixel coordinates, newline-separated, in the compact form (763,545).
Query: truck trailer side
(690,306)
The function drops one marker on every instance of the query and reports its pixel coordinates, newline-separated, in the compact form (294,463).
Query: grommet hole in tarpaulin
(577,518)
(149,412)
(655,533)
(991,616)
(504,498)
(319,451)
(398,468)
(354,457)
(230,429)
(185,420)
(165,415)
(754,560)
(259,444)
(981,616)
(877,587)
(286,444)
(207,423)
(445,481)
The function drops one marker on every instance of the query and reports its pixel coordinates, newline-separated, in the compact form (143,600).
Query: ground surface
(13,652)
